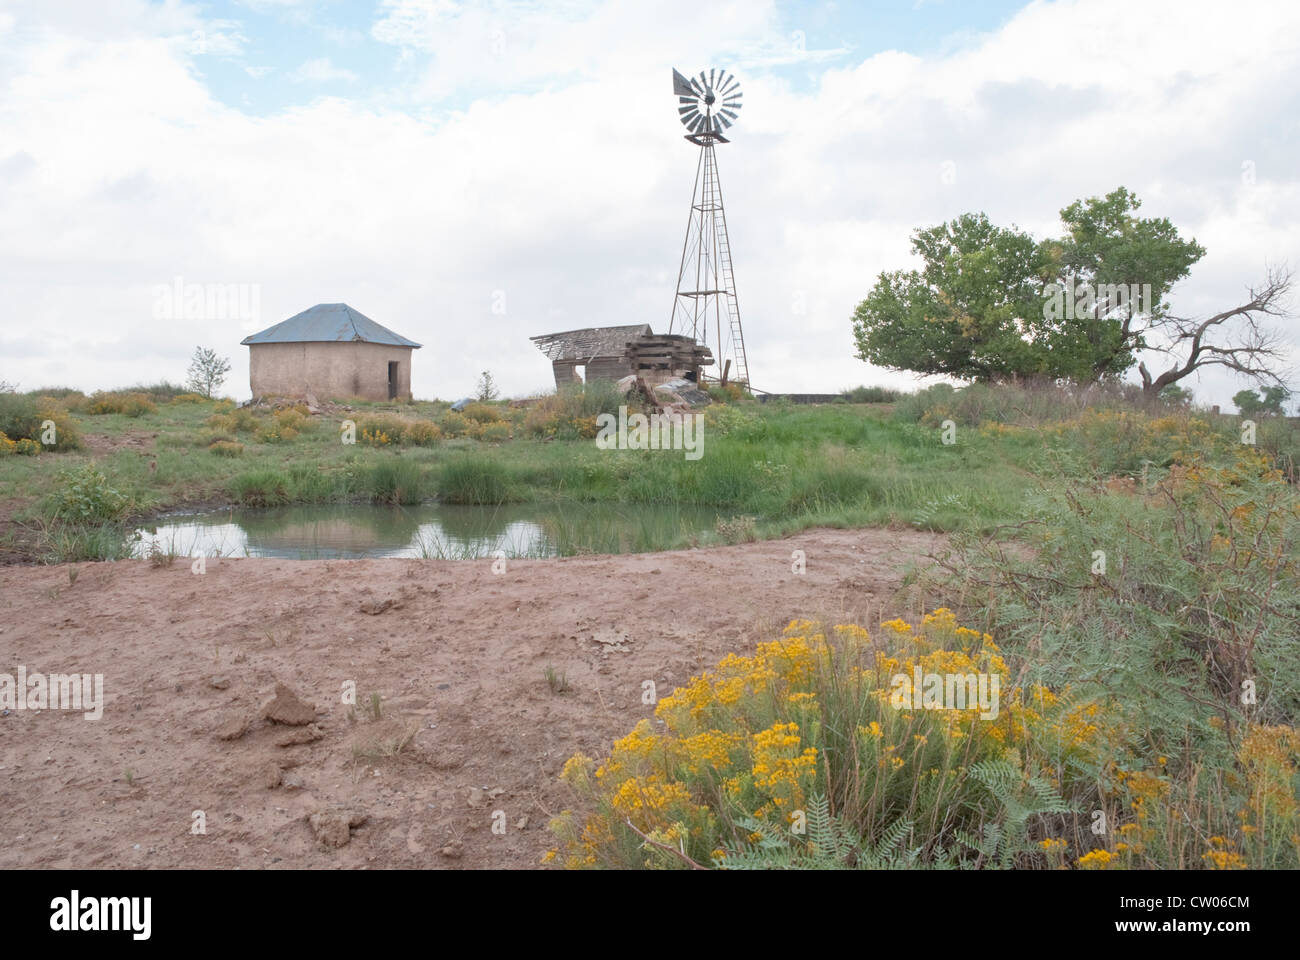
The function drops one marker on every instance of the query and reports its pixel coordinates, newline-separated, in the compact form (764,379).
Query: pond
(350,531)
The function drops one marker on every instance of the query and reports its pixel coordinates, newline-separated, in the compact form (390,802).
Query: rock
(475,798)
(233,729)
(333,827)
(286,708)
(272,775)
(453,851)
(218,683)
(521,823)
(292,781)
(376,607)
(308,734)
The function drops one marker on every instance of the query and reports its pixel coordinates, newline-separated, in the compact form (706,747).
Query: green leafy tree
(972,311)
(1267,401)
(991,304)
(207,371)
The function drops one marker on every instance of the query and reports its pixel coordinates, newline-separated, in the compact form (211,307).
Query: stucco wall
(327,370)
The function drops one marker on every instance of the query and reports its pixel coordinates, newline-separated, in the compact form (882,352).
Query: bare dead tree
(1238,339)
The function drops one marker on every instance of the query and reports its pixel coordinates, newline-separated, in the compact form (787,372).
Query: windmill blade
(690,118)
(727,88)
(686,109)
(681,85)
(712,85)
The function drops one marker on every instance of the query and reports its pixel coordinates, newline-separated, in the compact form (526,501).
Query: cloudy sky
(472,173)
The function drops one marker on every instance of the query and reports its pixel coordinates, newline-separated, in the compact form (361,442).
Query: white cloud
(321,70)
(566,186)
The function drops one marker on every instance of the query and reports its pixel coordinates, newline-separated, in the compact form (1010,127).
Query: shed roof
(329,323)
(589,342)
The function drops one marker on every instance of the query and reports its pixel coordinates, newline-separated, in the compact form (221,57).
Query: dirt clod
(288,709)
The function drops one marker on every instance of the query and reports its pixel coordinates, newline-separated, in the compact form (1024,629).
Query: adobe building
(330,351)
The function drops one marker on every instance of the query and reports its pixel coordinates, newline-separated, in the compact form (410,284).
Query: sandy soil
(458,658)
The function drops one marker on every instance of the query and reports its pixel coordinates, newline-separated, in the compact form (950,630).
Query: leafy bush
(481,412)
(85,496)
(496,432)
(234,421)
(1180,602)
(454,424)
(422,433)
(226,448)
(184,398)
(571,412)
(127,404)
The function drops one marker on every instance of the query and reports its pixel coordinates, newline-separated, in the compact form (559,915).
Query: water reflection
(429,530)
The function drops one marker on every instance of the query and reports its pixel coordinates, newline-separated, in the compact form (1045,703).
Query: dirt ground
(468,722)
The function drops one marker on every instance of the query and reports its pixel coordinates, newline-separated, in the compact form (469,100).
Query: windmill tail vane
(706,306)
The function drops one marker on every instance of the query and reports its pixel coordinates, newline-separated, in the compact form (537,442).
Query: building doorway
(392,380)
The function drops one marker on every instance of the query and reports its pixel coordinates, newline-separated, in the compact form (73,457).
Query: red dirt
(458,657)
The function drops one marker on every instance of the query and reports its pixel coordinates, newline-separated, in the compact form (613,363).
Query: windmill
(705,306)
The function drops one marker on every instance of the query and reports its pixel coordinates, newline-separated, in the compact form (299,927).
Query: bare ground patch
(465,723)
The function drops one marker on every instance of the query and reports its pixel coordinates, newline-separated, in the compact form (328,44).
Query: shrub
(7,446)
(26,448)
(226,448)
(85,496)
(234,421)
(820,720)
(19,416)
(499,430)
(127,404)
(382,430)
(482,412)
(422,433)
(871,395)
(24,417)
(454,424)
(184,398)
(571,412)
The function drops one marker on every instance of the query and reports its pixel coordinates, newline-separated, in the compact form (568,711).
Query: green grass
(788,466)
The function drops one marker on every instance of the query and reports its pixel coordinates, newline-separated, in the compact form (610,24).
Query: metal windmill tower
(705,306)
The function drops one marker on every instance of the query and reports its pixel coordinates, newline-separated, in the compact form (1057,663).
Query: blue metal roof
(329,323)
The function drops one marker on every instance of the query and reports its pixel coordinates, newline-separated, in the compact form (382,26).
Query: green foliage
(85,496)
(207,371)
(829,846)
(130,404)
(989,302)
(871,395)
(1267,401)
(472,479)
(396,481)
